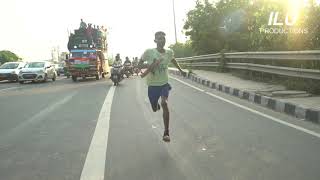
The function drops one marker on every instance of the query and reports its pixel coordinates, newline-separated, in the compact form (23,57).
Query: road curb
(281,106)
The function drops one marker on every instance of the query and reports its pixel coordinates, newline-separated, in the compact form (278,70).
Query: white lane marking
(194,87)
(254,111)
(8,88)
(94,165)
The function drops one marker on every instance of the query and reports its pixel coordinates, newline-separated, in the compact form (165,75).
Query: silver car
(37,71)
(10,70)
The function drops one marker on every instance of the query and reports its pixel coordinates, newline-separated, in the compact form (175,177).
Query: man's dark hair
(159,33)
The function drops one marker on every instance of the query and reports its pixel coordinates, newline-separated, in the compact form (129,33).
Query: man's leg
(165,108)
(154,95)
(166,114)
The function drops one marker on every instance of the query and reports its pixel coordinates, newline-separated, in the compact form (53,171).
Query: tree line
(250,25)
(8,56)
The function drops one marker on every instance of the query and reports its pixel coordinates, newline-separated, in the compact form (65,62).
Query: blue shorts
(155,92)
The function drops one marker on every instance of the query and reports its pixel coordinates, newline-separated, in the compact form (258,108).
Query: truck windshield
(83,54)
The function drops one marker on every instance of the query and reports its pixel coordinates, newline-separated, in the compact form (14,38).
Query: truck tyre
(74,78)
(98,77)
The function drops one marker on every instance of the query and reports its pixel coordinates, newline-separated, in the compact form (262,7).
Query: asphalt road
(67,131)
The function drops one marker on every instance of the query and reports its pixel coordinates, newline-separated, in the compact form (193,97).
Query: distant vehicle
(66,72)
(59,68)
(87,63)
(10,70)
(87,54)
(128,69)
(37,71)
(136,70)
(116,73)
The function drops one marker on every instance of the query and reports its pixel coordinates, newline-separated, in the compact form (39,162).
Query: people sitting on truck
(83,25)
(71,41)
(94,35)
(89,32)
(104,30)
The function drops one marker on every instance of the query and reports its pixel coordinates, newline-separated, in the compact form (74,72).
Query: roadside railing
(251,61)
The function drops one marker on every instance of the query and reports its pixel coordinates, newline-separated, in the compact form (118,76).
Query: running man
(157,76)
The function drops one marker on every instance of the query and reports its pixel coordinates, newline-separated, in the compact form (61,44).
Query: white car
(37,71)
(10,70)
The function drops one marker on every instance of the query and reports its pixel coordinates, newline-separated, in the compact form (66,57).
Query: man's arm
(175,63)
(150,68)
(140,64)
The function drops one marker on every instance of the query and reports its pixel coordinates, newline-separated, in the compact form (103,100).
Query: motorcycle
(136,70)
(116,74)
(128,69)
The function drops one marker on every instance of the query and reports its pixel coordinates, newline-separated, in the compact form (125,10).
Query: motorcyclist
(127,61)
(135,62)
(118,60)
(129,64)
(118,63)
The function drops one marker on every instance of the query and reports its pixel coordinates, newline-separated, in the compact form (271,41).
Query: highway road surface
(93,130)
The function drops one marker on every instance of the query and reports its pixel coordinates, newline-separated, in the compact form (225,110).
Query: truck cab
(87,63)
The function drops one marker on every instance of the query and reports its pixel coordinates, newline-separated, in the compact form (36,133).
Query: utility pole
(58,53)
(52,54)
(174,20)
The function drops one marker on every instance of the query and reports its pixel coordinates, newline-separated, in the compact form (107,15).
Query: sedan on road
(10,70)
(37,71)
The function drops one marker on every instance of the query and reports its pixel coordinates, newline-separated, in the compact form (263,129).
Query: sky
(32,28)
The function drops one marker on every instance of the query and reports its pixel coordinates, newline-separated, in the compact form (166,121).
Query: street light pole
(174,20)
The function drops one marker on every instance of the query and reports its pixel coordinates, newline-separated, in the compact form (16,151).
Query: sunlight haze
(32,28)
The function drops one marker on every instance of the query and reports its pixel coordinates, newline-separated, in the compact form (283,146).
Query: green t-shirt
(160,75)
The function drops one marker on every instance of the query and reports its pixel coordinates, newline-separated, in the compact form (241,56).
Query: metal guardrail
(285,71)
(312,55)
(202,61)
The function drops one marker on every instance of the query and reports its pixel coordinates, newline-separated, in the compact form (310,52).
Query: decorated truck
(87,54)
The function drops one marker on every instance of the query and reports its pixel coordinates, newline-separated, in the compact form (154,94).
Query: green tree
(182,49)
(8,56)
(203,27)
(234,25)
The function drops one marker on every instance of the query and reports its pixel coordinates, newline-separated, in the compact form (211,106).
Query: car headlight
(13,72)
